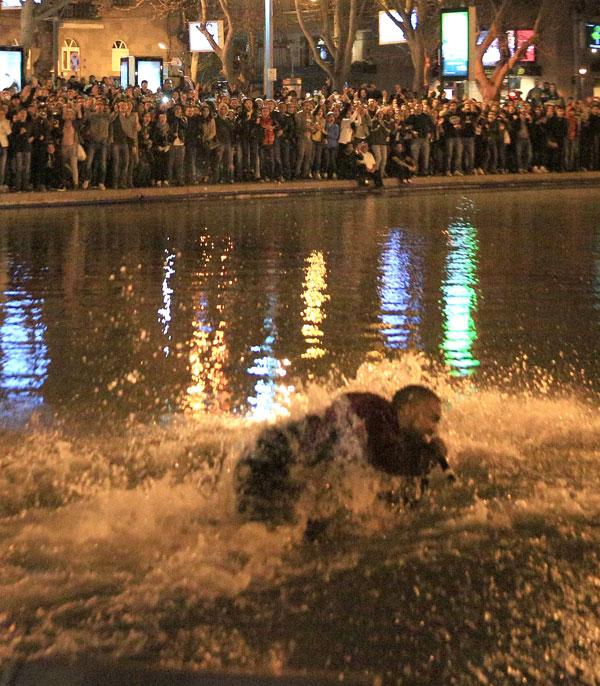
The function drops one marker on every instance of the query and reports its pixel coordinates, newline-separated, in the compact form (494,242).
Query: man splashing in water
(398,438)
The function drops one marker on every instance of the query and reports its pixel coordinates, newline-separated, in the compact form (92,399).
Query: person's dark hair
(412,393)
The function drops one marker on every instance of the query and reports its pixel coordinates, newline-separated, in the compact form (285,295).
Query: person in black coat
(397,437)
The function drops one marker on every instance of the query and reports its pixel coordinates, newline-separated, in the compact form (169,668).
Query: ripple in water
(130,546)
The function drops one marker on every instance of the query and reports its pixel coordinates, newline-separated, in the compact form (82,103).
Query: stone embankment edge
(254,191)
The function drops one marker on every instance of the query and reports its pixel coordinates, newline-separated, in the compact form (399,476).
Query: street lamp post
(582,74)
(268,60)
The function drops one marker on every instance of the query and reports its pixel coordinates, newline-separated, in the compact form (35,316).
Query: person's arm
(439,455)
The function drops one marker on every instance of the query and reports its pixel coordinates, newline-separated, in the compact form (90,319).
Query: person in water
(397,437)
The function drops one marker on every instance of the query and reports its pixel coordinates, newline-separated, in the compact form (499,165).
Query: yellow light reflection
(208,356)
(314,297)
(208,353)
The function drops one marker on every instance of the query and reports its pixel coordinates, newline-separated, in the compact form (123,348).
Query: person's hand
(438,446)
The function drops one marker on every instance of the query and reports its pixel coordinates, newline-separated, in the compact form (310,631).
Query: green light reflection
(459,297)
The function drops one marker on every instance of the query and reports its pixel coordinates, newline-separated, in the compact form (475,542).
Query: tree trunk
(27,27)
(418,60)
(194,66)
(489,88)
(340,76)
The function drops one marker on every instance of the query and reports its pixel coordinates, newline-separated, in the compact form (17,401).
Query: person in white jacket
(5,129)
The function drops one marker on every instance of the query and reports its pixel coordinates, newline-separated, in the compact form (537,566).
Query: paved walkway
(113,673)
(241,191)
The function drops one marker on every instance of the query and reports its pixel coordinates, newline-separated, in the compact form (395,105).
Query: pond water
(141,350)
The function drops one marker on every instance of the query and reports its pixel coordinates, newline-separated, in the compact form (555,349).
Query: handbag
(81,156)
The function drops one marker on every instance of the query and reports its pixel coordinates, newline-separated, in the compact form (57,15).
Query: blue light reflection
(24,358)
(400,287)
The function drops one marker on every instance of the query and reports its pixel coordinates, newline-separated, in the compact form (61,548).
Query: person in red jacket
(397,437)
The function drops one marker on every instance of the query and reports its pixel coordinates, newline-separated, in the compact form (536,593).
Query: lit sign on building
(593,37)
(14,4)
(389,31)
(455,43)
(149,69)
(11,68)
(492,55)
(514,40)
(199,42)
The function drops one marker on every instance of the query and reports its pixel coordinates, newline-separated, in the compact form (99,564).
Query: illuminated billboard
(592,34)
(12,68)
(124,71)
(199,42)
(455,43)
(516,39)
(14,4)
(492,55)
(389,32)
(149,69)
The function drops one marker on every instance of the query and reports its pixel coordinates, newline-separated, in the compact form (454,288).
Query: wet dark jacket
(265,485)
(388,447)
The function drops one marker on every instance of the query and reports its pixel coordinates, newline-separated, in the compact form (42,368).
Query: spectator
(332,134)
(162,138)
(367,172)
(5,132)
(403,166)
(221,136)
(21,140)
(178,125)
(223,163)
(421,129)
(123,132)
(97,128)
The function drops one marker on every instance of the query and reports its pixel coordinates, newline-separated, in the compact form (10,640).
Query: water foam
(132,545)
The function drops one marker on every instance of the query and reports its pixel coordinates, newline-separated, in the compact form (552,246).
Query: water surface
(139,345)
(199,306)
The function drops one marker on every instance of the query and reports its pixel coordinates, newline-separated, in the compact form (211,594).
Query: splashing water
(131,546)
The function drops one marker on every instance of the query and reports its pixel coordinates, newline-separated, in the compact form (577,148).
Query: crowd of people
(96,134)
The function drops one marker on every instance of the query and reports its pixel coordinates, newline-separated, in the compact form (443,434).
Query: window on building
(119,49)
(70,56)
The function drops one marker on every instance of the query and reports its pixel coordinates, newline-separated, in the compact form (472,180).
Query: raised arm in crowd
(97,134)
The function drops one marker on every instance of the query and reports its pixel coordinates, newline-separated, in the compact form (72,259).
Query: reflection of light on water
(395,293)
(271,394)
(164,313)
(460,299)
(23,349)
(208,349)
(208,355)
(597,265)
(314,296)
